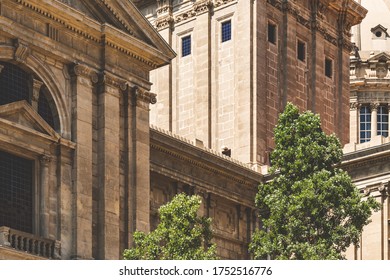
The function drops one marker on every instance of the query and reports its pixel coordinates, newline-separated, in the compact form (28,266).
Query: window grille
(383,121)
(13,84)
(16,192)
(365,124)
(186,45)
(226,31)
(44,109)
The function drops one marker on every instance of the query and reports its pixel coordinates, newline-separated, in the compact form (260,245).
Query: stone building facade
(97,171)
(74,127)
(239,62)
(367,155)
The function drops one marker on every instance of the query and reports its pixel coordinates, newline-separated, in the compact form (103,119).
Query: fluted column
(44,196)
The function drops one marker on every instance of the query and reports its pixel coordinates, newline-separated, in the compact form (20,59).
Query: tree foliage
(180,235)
(311,209)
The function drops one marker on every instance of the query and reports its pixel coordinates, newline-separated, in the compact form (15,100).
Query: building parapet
(30,243)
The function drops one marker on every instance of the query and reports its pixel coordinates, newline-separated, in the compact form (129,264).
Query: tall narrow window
(16,193)
(186,46)
(365,124)
(271,33)
(301,51)
(383,121)
(226,30)
(328,68)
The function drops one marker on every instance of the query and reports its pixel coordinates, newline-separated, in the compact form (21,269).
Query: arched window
(16,85)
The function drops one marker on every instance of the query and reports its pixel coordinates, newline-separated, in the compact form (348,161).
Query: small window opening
(301,51)
(226,31)
(272,33)
(186,46)
(328,67)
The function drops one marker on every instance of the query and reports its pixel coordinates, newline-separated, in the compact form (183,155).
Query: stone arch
(42,71)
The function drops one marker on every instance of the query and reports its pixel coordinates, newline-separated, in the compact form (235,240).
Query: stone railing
(30,243)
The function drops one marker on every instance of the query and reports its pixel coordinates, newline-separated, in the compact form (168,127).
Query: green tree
(311,209)
(180,235)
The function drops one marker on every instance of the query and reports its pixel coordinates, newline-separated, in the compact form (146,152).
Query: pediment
(22,115)
(122,15)
(382,57)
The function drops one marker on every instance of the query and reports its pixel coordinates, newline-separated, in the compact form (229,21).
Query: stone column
(44,196)
(82,87)
(139,156)
(354,122)
(108,165)
(374,119)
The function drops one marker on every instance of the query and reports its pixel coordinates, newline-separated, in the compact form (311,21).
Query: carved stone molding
(143,97)
(203,6)
(85,71)
(374,106)
(354,106)
(22,51)
(164,22)
(114,81)
(45,160)
(218,3)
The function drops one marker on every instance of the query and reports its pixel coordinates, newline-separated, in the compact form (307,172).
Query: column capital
(85,71)
(144,97)
(114,81)
(354,106)
(45,160)
(374,106)
(37,84)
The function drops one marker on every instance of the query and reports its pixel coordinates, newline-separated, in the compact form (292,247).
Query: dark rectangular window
(186,46)
(226,31)
(301,51)
(16,192)
(328,68)
(272,33)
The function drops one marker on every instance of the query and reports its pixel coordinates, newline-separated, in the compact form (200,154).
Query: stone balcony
(18,245)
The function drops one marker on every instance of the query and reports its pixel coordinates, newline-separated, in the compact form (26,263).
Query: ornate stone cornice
(218,3)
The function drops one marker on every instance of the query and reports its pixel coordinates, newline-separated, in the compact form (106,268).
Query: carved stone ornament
(22,51)
(203,6)
(354,105)
(144,96)
(374,106)
(45,160)
(218,3)
(85,71)
(36,89)
(114,81)
(164,22)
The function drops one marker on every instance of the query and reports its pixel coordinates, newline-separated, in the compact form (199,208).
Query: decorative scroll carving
(22,51)
(114,81)
(374,106)
(143,97)
(85,71)
(354,106)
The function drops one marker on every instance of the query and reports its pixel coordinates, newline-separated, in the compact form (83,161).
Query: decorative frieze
(203,6)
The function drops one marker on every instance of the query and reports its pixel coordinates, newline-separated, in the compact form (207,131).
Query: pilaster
(108,157)
(139,159)
(82,88)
